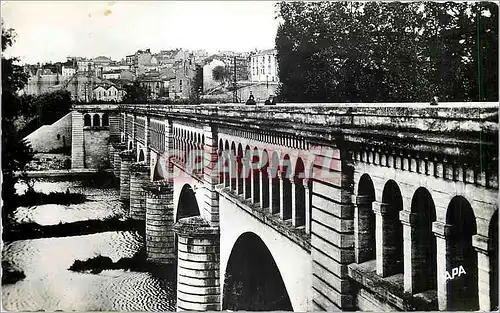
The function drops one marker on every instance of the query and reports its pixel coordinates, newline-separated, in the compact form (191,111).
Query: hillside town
(165,75)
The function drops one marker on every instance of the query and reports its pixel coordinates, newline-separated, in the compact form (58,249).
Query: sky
(49,31)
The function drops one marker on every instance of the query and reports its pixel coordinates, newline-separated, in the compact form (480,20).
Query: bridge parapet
(435,128)
(396,116)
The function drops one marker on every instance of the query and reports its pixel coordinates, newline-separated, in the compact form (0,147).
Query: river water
(50,285)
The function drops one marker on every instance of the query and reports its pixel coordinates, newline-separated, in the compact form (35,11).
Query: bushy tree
(16,153)
(387,51)
(50,107)
(135,93)
(220,73)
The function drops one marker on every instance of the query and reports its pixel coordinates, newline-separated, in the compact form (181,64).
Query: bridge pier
(111,155)
(384,237)
(127,157)
(139,177)
(442,233)
(198,265)
(160,239)
(117,149)
(77,140)
(483,251)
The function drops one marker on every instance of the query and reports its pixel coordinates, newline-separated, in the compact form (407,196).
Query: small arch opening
(300,194)
(265,179)
(239,171)
(275,183)
(87,120)
(365,220)
(392,229)
(141,156)
(424,242)
(246,173)
(188,206)
(105,120)
(256,179)
(96,120)
(286,174)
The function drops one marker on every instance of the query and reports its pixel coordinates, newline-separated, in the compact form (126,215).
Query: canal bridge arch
(292,261)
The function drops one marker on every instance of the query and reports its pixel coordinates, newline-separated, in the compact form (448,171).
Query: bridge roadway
(309,206)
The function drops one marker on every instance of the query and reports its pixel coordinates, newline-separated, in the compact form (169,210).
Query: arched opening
(239,170)
(87,120)
(225,166)
(493,237)
(423,245)
(105,120)
(141,155)
(159,172)
(265,179)
(300,194)
(246,173)
(255,168)
(364,221)
(275,183)
(130,145)
(392,229)
(286,174)
(233,167)
(220,161)
(462,290)
(252,280)
(188,206)
(96,120)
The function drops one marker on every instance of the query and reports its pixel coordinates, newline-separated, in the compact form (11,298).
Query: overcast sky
(52,30)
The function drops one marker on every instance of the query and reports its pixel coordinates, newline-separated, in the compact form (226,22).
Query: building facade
(264,66)
(108,93)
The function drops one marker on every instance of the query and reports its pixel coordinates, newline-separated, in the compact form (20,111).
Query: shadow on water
(10,275)
(137,263)
(35,231)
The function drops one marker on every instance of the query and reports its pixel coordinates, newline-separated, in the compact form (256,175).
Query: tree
(220,73)
(16,153)
(387,51)
(135,93)
(52,106)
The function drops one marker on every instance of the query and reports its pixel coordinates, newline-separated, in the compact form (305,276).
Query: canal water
(50,285)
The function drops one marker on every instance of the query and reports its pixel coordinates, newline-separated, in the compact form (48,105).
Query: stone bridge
(309,206)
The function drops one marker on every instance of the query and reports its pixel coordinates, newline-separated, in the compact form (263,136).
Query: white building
(116,74)
(264,66)
(84,65)
(108,93)
(114,67)
(68,71)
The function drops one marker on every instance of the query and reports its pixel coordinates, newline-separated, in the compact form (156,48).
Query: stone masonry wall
(54,136)
(96,148)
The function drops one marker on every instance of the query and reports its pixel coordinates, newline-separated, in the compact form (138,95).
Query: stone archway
(187,205)
(423,243)
(141,157)
(252,279)
(463,289)
(364,224)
